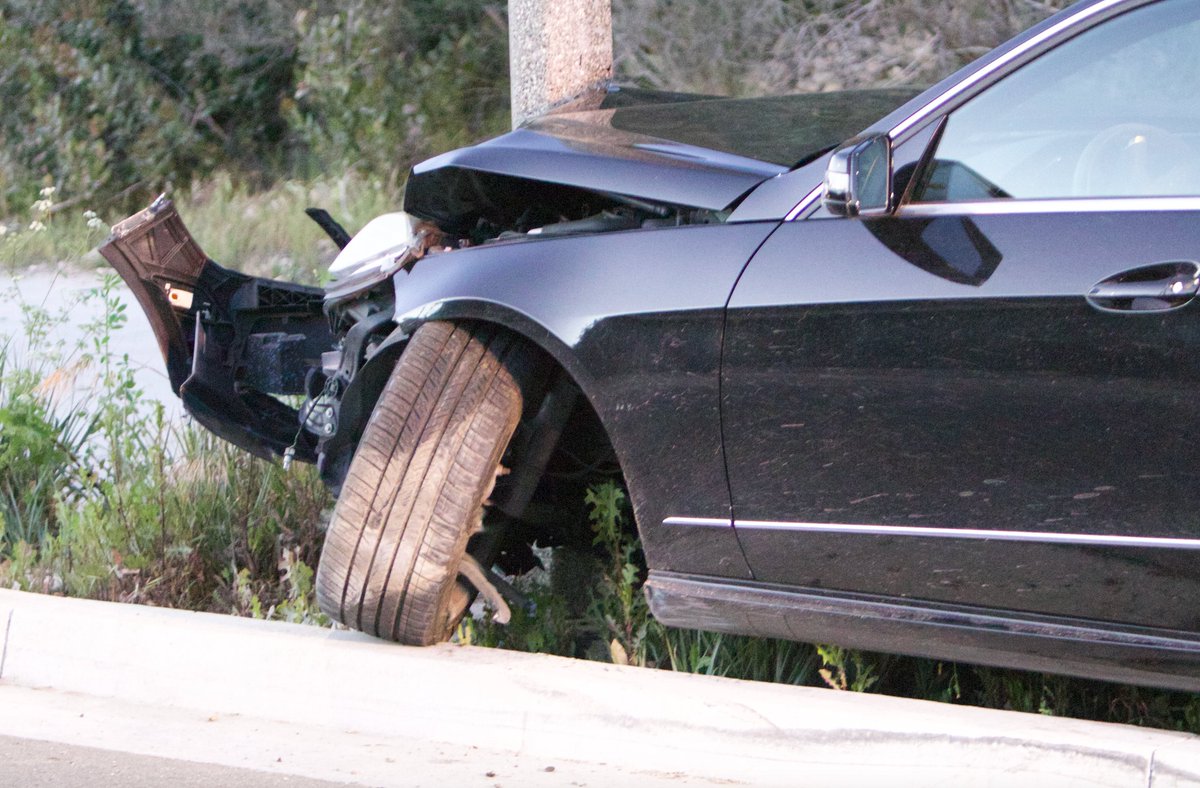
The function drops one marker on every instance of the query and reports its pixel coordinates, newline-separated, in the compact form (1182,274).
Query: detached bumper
(229,340)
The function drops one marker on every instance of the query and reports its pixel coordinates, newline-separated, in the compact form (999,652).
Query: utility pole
(558,49)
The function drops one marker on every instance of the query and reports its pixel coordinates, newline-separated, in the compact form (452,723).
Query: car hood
(676,149)
(781,130)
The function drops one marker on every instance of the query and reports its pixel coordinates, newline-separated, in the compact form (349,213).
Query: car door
(990,397)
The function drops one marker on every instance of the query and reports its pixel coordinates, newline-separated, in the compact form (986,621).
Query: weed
(618,602)
(43,235)
(42,446)
(846,669)
(106,498)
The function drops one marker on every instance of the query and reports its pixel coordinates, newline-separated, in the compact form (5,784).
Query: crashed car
(894,371)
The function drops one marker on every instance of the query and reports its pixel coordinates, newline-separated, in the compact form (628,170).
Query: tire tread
(415,487)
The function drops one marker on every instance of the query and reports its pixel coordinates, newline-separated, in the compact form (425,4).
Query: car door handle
(1152,288)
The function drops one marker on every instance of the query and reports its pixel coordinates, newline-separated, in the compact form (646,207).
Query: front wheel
(414,493)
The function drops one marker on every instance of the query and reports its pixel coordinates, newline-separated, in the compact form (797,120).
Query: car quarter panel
(636,319)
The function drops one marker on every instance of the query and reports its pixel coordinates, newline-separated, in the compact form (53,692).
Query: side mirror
(858,181)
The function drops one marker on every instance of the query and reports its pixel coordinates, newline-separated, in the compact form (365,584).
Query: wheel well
(575,453)
(560,449)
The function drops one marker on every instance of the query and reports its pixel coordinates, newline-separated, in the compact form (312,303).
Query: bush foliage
(115,100)
(773,47)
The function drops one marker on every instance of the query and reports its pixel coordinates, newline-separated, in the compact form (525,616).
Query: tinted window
(1110,113)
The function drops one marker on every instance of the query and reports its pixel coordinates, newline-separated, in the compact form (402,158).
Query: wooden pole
(558,49)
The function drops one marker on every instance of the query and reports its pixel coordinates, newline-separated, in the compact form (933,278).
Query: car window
(1111,113)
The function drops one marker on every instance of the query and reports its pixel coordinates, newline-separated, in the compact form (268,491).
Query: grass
(267,233)
(102,497)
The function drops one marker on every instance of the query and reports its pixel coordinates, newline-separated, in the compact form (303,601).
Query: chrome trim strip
(1096,540)
(958,89)
(1065,205)
(809,200)
(699,522)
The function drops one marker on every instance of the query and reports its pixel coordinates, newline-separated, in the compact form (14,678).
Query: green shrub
(91,104)
(381,85)
(106,498)
(40,458)
(113,101)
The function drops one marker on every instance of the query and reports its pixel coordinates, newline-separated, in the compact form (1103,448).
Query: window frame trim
(1049,206)
(938,108)
(1020,55)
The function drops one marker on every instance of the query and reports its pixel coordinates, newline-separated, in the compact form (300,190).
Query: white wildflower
(3,230)
(36,226)
(42,207)
(94,222)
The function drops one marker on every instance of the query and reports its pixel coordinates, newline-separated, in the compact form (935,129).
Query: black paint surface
(868,381)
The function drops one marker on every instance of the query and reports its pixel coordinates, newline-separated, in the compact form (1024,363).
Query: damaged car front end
(234,344)
(285,370)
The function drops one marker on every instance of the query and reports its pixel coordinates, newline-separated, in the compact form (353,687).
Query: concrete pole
(557,49)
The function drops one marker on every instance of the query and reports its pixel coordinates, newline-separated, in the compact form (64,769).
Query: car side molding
(1047,537)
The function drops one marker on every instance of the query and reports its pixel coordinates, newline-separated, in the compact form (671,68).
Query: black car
(929,390)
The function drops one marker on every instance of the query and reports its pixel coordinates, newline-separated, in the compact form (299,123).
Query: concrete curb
(715,729)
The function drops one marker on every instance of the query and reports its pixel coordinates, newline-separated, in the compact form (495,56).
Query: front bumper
(229,340)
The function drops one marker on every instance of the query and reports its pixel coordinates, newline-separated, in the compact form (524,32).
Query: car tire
(415,490)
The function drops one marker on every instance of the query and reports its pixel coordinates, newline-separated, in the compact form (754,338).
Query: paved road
(62,291)
(40,764)
(52,738)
